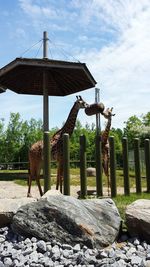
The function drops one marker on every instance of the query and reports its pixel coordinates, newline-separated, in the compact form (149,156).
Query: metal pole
(46,163)
(45,90)
(97,100)
(45,45)
(46,173)
(98,161)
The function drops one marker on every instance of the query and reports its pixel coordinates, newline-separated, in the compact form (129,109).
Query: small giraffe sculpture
(105,144)
(56,143)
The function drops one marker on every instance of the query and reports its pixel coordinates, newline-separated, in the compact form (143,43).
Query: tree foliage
(17,137)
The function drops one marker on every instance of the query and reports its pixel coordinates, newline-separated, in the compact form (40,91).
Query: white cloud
(33,9)
(122,68)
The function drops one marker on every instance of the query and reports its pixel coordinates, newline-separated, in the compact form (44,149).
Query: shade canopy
(2,89)
(25,76)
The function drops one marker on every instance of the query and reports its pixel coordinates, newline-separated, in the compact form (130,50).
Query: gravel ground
(30,252)
(8,189)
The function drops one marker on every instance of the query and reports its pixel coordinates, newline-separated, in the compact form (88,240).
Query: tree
(146,119)
(132,129)
(13,138)
(2,139)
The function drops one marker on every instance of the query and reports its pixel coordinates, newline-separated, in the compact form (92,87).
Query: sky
(112,37)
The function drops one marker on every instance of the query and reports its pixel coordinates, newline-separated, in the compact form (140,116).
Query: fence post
(83,175)
(147,162)
(46,169)
(99,185)
(125,166)
(66,164)
(137,165)
(112,167)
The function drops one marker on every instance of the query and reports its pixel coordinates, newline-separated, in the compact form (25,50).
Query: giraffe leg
(39,186)
(59,176)
(29,186)
(29,182)
(106,171)
(37,178)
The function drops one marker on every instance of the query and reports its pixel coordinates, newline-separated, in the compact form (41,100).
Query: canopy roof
(25,76)
(2,89)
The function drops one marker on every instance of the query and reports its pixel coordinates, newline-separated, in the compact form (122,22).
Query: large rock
(8,207)
(138,219)
(94,223)
(91,172)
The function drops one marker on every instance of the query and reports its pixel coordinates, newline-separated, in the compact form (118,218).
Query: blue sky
(112,37)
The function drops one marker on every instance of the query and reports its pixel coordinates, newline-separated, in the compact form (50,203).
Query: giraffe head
(80,102)
(108,113)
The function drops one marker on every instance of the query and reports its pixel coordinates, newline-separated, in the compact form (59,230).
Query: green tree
(13,137)
(132,129)
(2,141)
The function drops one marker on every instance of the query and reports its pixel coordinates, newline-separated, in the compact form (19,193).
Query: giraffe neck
(105,134)
(71,120)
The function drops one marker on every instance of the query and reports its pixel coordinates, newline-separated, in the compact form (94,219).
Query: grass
(91,181)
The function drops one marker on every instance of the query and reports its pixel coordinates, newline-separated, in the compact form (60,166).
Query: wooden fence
(98,160)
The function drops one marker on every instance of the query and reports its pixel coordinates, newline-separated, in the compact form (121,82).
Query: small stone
(27,241)
(76,248)
(33,239)
(48,247)
(131,251)
(111,253)
(27,251)
(2,238)
(1,264)
(144,245)
(104,254)
(41,246)
(140,248)
(136,260)
(66,246)
(136,242)
(120,263)
(7,262)
(34,256)
(147,263)
(148,256)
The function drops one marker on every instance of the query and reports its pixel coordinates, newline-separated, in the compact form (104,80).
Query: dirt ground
(11,190)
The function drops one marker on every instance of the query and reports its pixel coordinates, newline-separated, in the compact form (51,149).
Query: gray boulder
(91,172)
(94,223)
(138,219)
(8,207)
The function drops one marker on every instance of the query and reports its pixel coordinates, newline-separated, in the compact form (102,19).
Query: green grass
(75,178)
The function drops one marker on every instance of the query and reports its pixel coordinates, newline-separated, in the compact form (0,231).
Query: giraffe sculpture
(56,143)
(105,144)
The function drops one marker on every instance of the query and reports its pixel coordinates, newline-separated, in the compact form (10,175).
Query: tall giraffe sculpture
(105,144)
(56,143)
